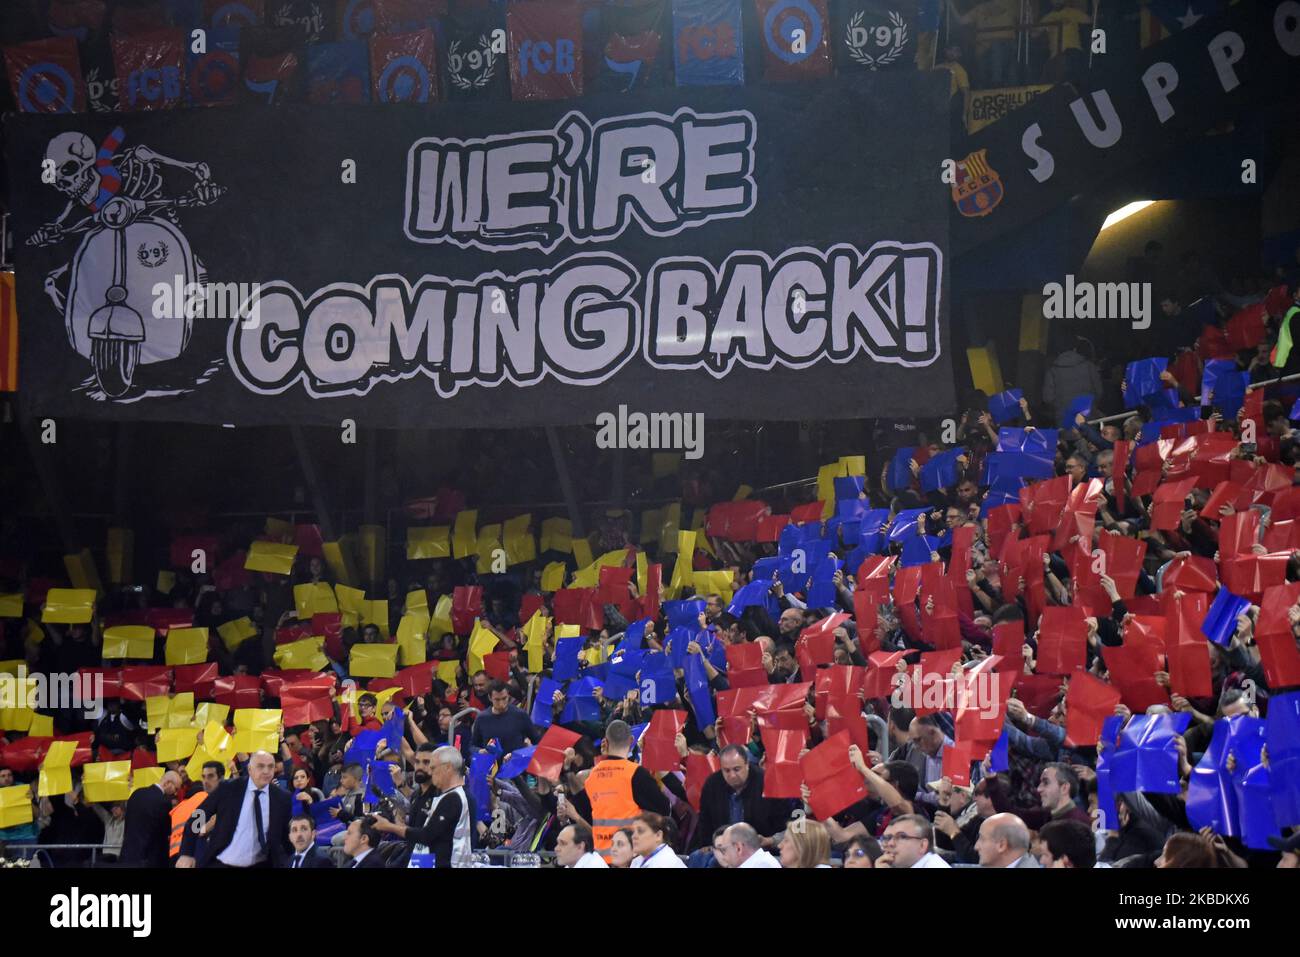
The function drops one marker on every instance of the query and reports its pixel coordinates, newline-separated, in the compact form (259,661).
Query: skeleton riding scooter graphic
(132,241)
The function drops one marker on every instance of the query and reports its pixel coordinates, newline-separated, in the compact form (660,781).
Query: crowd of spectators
(1047,643)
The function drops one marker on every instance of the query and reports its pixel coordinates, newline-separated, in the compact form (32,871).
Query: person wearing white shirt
(909,842)
(650,842)
(245,848)
(745,848)
(573,848)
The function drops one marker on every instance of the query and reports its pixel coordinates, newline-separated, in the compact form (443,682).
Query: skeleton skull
(73,156)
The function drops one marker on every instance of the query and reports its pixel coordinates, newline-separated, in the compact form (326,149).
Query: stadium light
(1124,212)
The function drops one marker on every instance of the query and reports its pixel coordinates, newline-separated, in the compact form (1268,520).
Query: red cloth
(833,783)
(548,759)
(658,751)
(1088,703)
(1062,641)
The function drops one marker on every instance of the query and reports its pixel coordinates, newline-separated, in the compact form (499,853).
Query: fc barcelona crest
(978,188)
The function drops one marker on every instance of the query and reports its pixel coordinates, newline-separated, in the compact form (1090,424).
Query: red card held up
(832,781)
(147,681)
(1062,641)
(1131,668)
(658,751)
(956,763)
(1088,702)
(881,669)
(698,769)
(1189,669)
(548,759)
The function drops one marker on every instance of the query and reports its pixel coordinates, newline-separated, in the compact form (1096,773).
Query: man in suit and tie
(359,843)
(148,825)
(248,821)
(302,835)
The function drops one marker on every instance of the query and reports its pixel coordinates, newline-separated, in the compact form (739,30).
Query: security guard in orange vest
(619,789)
(185,835)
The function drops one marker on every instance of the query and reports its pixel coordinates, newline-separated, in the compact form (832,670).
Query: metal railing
(1120,416)
(39,854)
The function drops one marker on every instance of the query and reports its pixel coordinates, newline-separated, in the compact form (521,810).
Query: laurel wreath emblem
(489,60)
(889,56)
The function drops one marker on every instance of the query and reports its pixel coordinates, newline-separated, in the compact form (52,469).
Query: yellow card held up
(106,781)
(53,781)
(440,624)
(463,536)
(350,599)
(428,542)
(146,777)
(128,641)
(42,726)
(210,712)
(176,744)
(447,670)
(557,535)
(553,576)
(11,606)
(69,606)
(16,719)
(271,557)
(234,633)
(187,646)
(372,661)
(16,805)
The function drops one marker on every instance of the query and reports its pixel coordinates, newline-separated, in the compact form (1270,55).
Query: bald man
(148,825)
(248,824)
(1004,842)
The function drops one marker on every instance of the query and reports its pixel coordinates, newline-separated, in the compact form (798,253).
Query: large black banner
(747,253)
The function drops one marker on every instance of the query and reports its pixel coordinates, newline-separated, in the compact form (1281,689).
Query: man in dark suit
(302,835)
(148,824)
(359,843)
(734,795)
(248,820)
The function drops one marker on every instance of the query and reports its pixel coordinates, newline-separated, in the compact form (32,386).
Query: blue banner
(707,43)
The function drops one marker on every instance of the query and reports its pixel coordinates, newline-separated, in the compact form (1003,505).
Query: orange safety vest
(181,819)
(609,787)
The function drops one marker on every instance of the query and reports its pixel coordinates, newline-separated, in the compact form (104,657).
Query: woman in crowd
(1141,830)
(621,853)
(304,788)
(862,852)
(806,844)
(651,840)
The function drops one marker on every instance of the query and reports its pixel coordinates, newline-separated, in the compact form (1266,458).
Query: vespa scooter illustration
(132,241)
